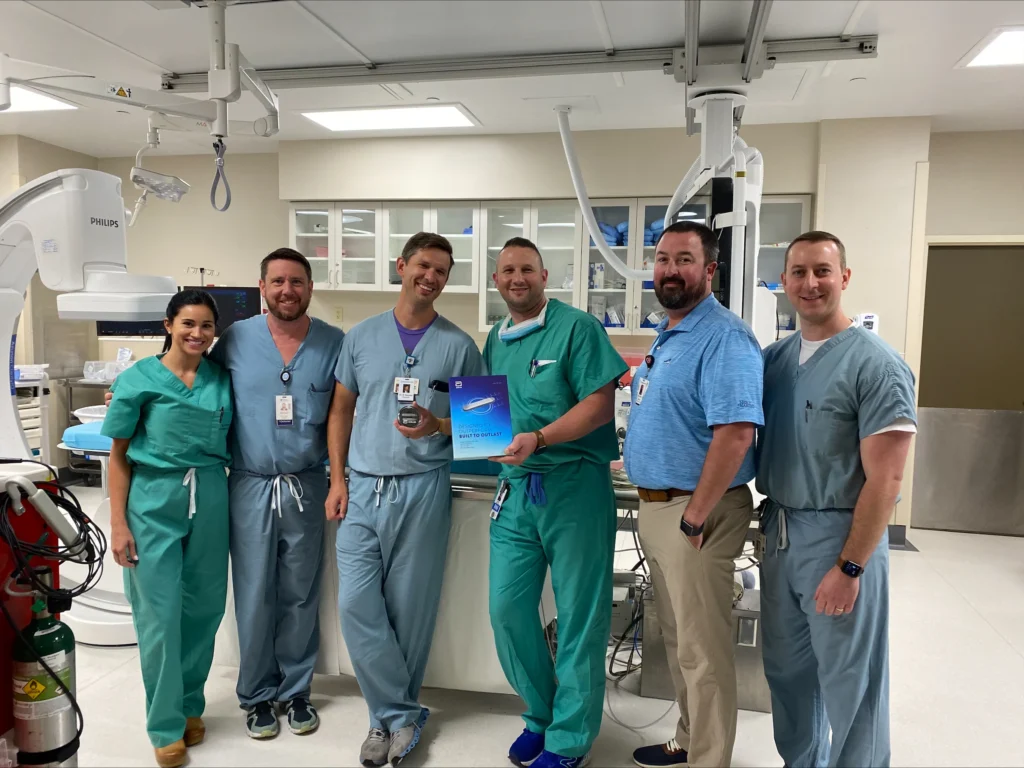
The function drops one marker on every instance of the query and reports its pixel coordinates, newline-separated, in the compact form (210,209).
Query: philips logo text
(105,222)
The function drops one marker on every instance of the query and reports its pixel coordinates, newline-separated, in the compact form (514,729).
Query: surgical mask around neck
(509,332)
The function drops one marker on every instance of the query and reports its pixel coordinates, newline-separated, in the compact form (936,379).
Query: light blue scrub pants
(391,556)
(276,565)
(824,670)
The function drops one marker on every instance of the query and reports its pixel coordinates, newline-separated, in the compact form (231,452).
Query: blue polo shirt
(708,370)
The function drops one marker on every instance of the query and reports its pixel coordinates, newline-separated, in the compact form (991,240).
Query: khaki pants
(693,592)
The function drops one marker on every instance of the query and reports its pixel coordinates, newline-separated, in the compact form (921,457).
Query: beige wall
(8,165)
(976,185)
(634,163)
(866,197)
(973,358)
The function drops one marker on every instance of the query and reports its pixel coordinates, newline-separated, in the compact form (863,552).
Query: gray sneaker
(405,739)
(375,749)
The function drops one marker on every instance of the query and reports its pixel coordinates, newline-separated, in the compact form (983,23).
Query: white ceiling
(131,41)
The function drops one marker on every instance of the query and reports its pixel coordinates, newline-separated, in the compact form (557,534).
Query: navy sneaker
(669,755)
(551,760)
(261,721)
(526,748)
(302,717)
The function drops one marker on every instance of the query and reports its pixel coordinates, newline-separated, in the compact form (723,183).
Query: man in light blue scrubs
(690,451)
(396,510)
(839,420)
(282,375)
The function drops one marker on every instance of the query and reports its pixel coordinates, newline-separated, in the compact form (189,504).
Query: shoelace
(673,746)
(376,734)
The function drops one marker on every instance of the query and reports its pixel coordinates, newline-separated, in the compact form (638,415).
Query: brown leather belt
(660,496)
(649,495)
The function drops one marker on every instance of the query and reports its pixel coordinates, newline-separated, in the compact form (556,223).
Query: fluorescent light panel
(394,118)
(24,100)
(1003,46)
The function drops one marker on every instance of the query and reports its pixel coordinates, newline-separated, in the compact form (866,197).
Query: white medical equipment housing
(70,226)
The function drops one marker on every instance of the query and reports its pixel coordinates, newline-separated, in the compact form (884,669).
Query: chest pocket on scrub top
(831,433)
(547,391)
(179,427)
(316,406)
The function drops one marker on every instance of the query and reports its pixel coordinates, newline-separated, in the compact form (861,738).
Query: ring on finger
(839,611)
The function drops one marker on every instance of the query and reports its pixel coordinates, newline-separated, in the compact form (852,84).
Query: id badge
(406,389)
(641,387)
(284,413)
(499,499)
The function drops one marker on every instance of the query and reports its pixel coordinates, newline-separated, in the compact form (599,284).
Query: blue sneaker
(669,755)
(551,760)
(526,748)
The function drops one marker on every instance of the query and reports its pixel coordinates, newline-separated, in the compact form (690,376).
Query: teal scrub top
(170,426)
(576,359)
(816,414)
(258,444)
(372,357)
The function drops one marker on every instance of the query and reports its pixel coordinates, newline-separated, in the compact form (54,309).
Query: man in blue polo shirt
(689,450)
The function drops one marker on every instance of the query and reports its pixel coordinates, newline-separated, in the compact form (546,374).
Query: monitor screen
(232,304)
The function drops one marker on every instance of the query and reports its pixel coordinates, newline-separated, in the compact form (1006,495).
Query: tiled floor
(957,660)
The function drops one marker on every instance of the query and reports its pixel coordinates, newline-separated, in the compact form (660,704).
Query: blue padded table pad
(87,437)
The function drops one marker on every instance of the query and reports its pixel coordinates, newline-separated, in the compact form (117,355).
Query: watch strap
(690,530)
(541,442)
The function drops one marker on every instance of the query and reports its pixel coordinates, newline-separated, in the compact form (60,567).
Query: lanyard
(410,361)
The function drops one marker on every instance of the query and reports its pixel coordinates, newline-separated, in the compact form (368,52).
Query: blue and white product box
(481,416)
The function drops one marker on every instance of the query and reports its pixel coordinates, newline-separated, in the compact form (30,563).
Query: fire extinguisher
(45,711)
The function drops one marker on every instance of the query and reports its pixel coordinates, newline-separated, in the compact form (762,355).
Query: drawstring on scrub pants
(190,481)
(378,488)
(275,492)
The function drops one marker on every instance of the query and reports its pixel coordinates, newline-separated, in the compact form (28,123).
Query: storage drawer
(35,423)
(29,412)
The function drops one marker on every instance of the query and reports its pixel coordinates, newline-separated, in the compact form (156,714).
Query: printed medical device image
(481,416)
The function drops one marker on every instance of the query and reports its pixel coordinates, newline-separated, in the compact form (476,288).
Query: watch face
(851,569)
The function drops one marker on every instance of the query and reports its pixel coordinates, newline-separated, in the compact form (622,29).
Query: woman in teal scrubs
(169,420)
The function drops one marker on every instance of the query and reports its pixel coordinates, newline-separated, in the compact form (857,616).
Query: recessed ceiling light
(395,118)
(24,100)
(1002,47)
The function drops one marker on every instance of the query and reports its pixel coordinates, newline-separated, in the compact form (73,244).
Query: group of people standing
(282,395)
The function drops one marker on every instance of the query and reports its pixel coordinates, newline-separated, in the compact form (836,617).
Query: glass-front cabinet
(456,221)
(782,219)
(605,293)
(554,226)
(359,259)
(312,233)
(500,223)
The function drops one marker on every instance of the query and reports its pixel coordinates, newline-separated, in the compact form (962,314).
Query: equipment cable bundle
(87,547)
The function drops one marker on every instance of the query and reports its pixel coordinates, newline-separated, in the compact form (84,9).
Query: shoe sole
(522,763)
(663,765)
(424,714)
(262,735)
(304,730)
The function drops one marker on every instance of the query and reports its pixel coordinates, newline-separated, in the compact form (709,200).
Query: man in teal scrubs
(558,509)
(839,419)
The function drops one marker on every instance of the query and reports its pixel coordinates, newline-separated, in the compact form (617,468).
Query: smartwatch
(541,443)
(690,530)
(850,568)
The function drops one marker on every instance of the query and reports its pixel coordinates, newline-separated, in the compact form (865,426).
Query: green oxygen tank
(44,719)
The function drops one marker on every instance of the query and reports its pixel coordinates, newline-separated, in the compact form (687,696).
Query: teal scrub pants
(392,546)
(177,591)
(824,671)
(571,528)
(276,566)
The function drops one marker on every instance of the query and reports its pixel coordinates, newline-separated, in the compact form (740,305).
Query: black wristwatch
(850,568)
(690,530)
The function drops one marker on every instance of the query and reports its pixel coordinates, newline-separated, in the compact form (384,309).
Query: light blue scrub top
(707,371)
(817,413)
(371,359)
(248,352)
